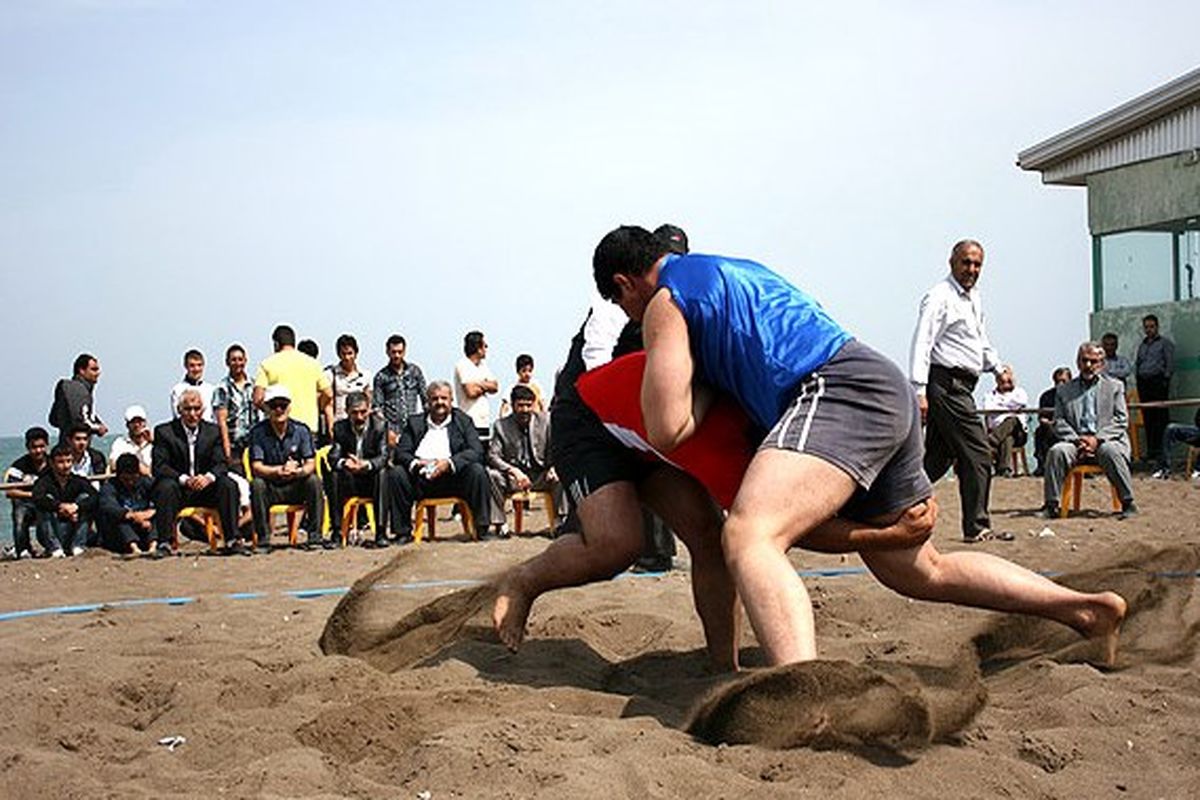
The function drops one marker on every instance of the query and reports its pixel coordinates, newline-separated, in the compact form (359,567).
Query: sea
(12,448)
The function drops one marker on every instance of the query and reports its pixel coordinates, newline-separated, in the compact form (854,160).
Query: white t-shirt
(480,409)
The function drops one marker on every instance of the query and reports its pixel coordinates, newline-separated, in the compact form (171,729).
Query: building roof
(1161,122)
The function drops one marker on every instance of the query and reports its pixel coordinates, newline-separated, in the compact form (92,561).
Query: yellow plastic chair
(294,512)
(1073,488)
(211,519)
(426,509)
(350,513)
(519,499)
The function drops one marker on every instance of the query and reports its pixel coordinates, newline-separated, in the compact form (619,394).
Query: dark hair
(355,399)
(345,340)
(284,336)
(61,449)
(628,250)
(36,435)
(78,427)
(308,347)
(521,392)
(1150,318)
(396,339)
(81,362)
(673,237)
(524,360)
(191,354)
(234,348)
(1109,335)
(1059,371)
(127,463)
(472,342)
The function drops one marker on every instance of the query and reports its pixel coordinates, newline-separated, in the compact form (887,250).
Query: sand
(418,698)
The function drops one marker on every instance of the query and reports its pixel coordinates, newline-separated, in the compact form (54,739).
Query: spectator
(525,378)
(27,469)
(126,513)
(473,382)
(439,455)
(235,410)
(308,388)
(358,461)
(190,470)
(138,439)
(1044,436)
(518,456)
(1177,432)
(399,388)
(283,465)
(75,399)
(1006,430)
(193,378)
(309,348)
(1154,367)
(86,461)
(345,377)
(65,503)
(1090,421)
(1115,365)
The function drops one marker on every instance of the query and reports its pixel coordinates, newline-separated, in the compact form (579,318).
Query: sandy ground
(595,703)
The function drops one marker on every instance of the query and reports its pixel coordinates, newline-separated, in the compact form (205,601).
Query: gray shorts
(859,413)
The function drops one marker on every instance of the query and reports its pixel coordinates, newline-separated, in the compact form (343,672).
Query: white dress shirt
(435,444)
(1004,401)
(950,333)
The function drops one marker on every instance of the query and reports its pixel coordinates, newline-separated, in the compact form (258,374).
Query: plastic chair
(322,464)
(294,512)
(426,509)
(1136,424)
(519,499)
(1073,488)
(1192,452)
(212,524)
(350,513)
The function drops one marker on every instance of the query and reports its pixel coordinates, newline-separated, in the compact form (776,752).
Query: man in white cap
(138,439)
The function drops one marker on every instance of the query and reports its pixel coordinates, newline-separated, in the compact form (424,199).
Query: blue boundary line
(311,594)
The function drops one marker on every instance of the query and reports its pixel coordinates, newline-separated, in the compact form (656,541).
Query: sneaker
(1161,474)
(57,553)
(78,550)
(1128,510)
(1196,474)
(1049,511)
(24,554)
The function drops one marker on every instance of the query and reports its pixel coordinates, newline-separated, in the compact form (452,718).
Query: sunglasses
(276,405)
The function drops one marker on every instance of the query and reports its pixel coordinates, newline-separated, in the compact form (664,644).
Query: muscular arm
(667,407)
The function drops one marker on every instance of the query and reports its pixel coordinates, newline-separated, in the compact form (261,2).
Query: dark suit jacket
(169,457)
(505,445)
(1112,420)
(465,446)
(375,450)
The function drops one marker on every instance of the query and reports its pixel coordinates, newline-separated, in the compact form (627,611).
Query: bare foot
(510,611)
(1103,621)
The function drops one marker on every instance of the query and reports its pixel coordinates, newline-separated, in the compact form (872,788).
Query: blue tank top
(752,333)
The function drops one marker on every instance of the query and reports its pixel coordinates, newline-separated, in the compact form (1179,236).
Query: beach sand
(952,702)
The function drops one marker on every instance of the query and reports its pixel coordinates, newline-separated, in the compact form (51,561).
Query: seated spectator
(345,377)
(439,455)
(126,512)
(1115,365)
(138,439)
(525,378)
(398,389)
(27,469)
(307,386)
(193,378)
(358,461)
(473,382)
(86,461)
(1044,436)
(1005,431)
(190,470)
(1176,432)
(1090,421)
(518,456)
(74,399)
(65,503)
(284,469)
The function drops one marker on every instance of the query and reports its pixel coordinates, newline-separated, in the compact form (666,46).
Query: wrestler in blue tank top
(752,333)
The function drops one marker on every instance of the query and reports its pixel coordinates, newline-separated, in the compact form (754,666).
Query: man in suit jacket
(1091,422)
(189,468)
(518,455)
(359,462)
(439,455)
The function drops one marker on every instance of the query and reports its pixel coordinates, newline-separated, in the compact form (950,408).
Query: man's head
(623,268)
(358,408)
(437,401)
(278,401)
(283,336)
(1090,360)
(190,408)
(672,237)
(1060,376)
(524,367)
(966,262)
(522,399)
(235,359)
(309,348)
(128,469)
(1005,381)
(79,438)
(347,350)
(87,367)
(193,365)
(1109,342)
(61,459)
(1150,326)
(135,422)
(475,346)
(36,442)
(395,350)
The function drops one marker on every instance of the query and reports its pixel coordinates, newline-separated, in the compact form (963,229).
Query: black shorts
(586,456)
(859,413)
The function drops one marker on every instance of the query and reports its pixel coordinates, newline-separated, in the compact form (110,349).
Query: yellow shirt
(303,377)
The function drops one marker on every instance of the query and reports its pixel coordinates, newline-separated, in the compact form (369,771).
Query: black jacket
(375,449)
(465,446)
(169,457)
(74,403)
(48,493)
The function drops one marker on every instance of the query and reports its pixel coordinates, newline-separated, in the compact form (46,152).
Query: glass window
(1137,268)
(1188,247)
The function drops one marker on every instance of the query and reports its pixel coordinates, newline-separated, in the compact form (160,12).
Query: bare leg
(783,496)
(986,581)
(611,519)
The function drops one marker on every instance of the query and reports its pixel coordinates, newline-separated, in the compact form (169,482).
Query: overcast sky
(189,174)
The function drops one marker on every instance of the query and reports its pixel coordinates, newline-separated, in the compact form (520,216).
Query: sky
(190,174)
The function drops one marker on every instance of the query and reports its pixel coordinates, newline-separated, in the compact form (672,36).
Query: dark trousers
(470,483)
(345,485)
(954,435)
(1151,388)
(117,536)
(56,533)
(1004,438)
(306,491)
(24,518)
(1043,438)
(170,496)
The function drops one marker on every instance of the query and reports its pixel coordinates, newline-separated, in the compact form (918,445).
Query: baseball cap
(276,391)
(135,412)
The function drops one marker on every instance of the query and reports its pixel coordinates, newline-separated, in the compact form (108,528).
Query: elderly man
(137,440)
(518,456)
(75,398)
(439,455)
(358,460)
(1090,421)
(283,464)
(1004,426)
(190,470)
